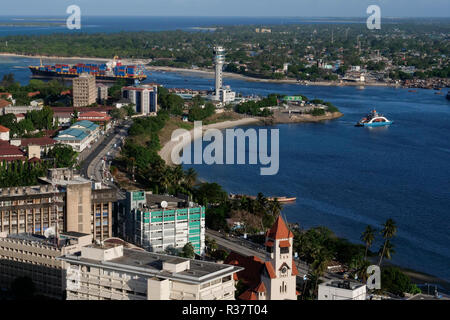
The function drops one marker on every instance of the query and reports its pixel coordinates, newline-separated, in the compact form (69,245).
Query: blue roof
(89,125)
(77,134)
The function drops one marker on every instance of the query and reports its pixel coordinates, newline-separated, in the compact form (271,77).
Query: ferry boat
(106,72)
(373,119)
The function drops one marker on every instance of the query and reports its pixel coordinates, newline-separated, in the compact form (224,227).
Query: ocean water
(111,24)
(346,177)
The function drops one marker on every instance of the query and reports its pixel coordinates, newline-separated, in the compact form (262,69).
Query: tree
(64,155)
(190,177)
(367,237)
(389,231)
(393,280)
(188,251)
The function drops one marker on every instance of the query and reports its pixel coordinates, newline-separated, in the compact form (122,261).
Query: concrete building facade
(157,222)
(34,256)
(112,272)
(66,202)
(84,90)
(144,97)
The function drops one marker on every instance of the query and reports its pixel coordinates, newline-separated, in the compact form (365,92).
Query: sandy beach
(210,73)
(166,151)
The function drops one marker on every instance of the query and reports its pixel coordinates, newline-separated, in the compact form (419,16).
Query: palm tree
(388,251)
(367,237)
(389,231)
(190,177)
(275,207)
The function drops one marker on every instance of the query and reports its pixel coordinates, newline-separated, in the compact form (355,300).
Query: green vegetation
(393,280)
(307,48)
(33,124)
(48,91)
(64,156)
(19,173)
(188,251)
(258,108)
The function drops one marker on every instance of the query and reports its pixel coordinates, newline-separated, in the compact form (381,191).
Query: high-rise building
(102,93)
(219,60)
(66,202)
(34,256)
(112,272)
(157,222)
(144,97)
(84,90)
(223,94)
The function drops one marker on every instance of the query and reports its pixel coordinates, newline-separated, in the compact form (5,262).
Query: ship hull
(42,74)
(375,124)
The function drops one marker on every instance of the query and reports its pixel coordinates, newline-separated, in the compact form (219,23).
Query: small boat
(282,199)
(374,119)
(412,90)
(448,95)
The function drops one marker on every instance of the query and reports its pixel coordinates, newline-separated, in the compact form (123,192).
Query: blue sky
(299,8)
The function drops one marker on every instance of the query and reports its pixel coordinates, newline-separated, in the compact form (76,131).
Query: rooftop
(344,284)
(151,264)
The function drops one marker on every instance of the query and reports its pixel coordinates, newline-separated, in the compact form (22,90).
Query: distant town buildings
(65,202)
(158,222)
(34,256)
(84,90)
(342,290)
(144,97)
(274,278)
(112,272)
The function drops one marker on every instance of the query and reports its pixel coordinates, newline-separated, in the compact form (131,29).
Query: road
(249,248)
(92,165)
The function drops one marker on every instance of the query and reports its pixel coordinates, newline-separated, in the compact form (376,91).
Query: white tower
(219,60)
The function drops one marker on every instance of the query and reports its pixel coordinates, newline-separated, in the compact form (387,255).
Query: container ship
(107,72)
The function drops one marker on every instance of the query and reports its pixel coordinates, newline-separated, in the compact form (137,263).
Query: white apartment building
(84,90)
(112,272)
(342,290)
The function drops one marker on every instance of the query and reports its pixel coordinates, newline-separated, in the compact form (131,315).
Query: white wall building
(111,272)
(342,290)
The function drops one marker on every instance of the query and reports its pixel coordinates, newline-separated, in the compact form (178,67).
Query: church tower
(279,276)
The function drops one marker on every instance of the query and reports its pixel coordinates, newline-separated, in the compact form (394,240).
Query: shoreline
(416,277)
(287,81)
(166,151)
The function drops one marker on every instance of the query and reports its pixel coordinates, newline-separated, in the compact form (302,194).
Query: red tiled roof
(32,94)
(269,243)
(285,244)
(65,92)
(4,103)
(3,129)
(270,270)
(294,268)
(260,287)
(43,141)
(253,266)
(9,150)
(279,230)
(248,295)
(20,115)
(34,159)
(94,115)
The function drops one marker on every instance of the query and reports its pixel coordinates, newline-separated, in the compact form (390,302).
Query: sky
(284,8)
